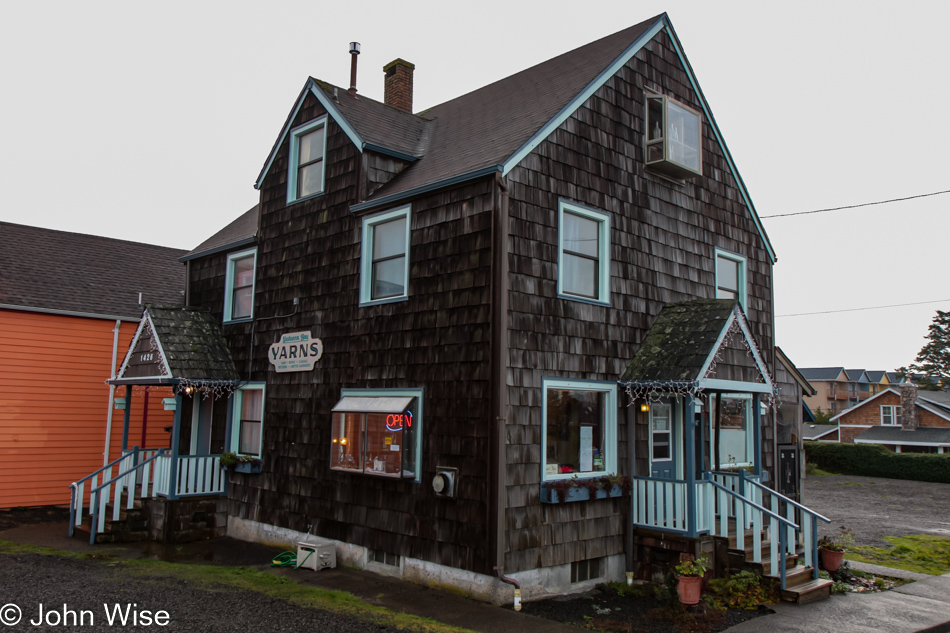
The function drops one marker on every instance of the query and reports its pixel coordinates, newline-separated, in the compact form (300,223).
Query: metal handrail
(754,505)
(94,493)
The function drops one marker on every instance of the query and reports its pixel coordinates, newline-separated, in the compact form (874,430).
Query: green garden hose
(289,559)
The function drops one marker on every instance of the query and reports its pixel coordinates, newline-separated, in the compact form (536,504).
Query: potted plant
(689,575)
(240,463)
(576,489)
(832,548)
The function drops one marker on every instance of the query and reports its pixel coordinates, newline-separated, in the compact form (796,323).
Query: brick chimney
(398,89)
(909,419)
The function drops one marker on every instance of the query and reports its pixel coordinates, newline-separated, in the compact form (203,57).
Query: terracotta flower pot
(830,559)
(689,589)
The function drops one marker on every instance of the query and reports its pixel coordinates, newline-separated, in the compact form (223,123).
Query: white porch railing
(151,470)
(729,505)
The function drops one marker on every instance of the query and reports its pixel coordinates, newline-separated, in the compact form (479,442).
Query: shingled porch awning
(698,345)
(178,346)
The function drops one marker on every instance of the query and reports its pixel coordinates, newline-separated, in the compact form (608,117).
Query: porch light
(189,389)
(645,407)
(343,441)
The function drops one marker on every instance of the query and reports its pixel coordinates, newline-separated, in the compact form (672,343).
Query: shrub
(743,590)
(871,460)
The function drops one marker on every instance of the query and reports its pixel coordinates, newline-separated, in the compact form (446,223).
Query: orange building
(69,305)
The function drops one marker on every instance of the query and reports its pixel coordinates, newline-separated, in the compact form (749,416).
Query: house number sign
(296,351)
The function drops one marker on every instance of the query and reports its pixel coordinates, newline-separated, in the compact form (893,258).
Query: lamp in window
(644,406)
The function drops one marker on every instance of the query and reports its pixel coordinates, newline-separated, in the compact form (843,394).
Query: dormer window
(674,138)
(307,150)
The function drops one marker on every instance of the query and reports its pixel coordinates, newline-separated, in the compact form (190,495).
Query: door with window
(662,438)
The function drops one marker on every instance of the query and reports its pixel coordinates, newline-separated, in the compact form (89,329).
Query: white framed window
(247,420)
(384,260)
(891,414)
(673,141)
(378,432)
(583,254)
(239,286)
(579,427)
(736,435)
(661,432)
(308,147)
(731,276)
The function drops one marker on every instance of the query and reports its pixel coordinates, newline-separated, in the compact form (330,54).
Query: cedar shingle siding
(662,249)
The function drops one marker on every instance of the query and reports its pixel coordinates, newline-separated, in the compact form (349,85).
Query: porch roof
(174,346)
(682,345)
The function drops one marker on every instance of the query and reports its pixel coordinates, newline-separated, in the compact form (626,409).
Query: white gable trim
(313,88)
(715,383)
(579,100)
(861,404)
(146,320)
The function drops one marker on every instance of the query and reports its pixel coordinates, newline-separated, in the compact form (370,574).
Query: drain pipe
(511,581)
(115,353)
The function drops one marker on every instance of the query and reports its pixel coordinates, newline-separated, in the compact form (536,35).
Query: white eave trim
(899,443)
(861,404)
(313,88)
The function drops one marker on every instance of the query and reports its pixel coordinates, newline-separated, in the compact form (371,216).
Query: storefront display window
(579,429)
(377,434)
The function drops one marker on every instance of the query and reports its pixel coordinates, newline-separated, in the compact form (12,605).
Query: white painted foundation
(535,583)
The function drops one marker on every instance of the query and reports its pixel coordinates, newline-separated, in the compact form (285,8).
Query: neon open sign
(398,421)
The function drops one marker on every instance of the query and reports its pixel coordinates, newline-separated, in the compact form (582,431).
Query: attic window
(674,138)
(305,177)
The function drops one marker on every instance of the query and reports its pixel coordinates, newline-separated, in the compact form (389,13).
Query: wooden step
(810,591)
(799,575)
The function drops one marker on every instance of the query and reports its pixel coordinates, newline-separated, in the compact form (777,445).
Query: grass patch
(921,553)
(812,470)
(225,578)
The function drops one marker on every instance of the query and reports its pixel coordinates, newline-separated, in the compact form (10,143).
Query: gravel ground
(875,507)
(29,580)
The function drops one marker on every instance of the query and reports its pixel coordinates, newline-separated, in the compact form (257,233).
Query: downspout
(115,352)
(499,384)
(632,414)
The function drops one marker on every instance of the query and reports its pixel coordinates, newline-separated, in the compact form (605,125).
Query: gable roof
(187,345)
(240,232)
(491,129)
(856,375)
(813,374)
(681,345)
(793,370)
(938,405)
(876,375)
(43,270)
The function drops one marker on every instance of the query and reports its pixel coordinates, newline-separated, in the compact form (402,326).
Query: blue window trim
(366,255)
(236,408)
(418,418)
(603,255)
(292,163)
(743,274)
(610,424)
(229,285)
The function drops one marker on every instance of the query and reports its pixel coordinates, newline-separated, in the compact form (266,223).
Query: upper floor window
(583,254)
(384,265)
(307,150)
(579,427)
(239,286)
(890,414)
(248,420)
(731,277)
(674,137)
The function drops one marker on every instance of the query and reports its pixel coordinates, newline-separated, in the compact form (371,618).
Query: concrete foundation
(186,520)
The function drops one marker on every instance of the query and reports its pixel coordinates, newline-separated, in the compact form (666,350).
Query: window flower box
(249,468)
(583,490)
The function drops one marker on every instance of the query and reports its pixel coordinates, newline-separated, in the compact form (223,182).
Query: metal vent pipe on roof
(354,51)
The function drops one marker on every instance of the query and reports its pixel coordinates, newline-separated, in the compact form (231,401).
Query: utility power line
(895,305)
(854,206)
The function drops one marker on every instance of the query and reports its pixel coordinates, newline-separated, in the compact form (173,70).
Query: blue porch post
(689,430)
(176,436)
(756,435)
(125,418)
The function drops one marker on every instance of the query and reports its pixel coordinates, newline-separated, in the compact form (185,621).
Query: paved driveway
(875,507)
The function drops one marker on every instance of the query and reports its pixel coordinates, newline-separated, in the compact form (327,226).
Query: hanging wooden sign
(296,351)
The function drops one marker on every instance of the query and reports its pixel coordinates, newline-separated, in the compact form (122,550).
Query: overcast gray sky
(151,121)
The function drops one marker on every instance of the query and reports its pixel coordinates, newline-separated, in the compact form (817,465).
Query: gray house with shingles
(441,321)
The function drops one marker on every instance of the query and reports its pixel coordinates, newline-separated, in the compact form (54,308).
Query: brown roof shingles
(86,274)
(241,231)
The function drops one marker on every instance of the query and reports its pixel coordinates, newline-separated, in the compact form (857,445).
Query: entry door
(201,425)
(662,446)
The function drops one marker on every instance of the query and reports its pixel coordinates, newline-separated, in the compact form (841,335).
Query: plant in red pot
(832,548)
(689,575)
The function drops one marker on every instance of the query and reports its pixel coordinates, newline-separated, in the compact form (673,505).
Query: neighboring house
(839,389)
(438,321)
(69,304)
(900,418)
(820,433)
